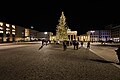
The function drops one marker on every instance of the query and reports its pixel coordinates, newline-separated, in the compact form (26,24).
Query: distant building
(11,33)
(115,33)
(19,33)
(7,32)
(45,35)
(99,35)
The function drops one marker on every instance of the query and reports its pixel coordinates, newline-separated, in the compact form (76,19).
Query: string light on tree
(61,29)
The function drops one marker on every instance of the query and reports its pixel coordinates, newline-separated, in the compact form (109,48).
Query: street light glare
(31,27)
(92,31)
(45,32)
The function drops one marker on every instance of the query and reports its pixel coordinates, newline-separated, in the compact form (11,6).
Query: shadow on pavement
(102,61)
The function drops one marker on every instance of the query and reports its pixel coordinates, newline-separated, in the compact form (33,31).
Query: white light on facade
(1,31)
(7,29)
(92,31)
(32,27)
(7,25)
(7,32)
(1,24)
(13,30)
(45,32)
(13,26)
(1,28)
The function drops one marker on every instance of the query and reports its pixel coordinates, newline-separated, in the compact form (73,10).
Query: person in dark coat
(46,42)
(88,45)
(77,44)
(64,45)
(118,54)
(81,44)
(74,44)
(43,42)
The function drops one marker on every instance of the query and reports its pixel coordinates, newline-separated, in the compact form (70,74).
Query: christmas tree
(61,31)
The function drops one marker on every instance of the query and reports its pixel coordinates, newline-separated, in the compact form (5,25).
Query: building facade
(7,32)
(99,35)
(115,33)
(11,33)
(72,35)
(84,37)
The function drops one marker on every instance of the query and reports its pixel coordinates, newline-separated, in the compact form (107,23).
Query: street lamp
(45,32)
(32,27)
(92,32)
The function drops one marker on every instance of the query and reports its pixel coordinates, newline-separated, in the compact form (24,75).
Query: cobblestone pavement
(52,63)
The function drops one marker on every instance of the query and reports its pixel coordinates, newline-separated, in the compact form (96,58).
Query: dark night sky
(81,15)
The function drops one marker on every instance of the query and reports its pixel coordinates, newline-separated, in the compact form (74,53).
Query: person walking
(81,44)
(77,44)
(74,44)
(42,44)
(118,54)
(64,45)
(88,45)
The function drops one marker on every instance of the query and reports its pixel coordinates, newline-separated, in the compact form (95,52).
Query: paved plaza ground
(26,62)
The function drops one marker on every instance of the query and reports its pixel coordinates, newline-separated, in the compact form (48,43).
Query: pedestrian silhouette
(41,45)
(88,45)
(77,44)
(74,44)
(118,54)
(46,42)
(81,44)
(64,45)
(43,42)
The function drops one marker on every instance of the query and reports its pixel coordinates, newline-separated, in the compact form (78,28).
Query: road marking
(118,66)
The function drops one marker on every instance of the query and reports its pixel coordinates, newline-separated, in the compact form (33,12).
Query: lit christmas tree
(61,32)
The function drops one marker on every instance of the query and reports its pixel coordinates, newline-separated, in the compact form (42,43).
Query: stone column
(70,37)
(75,37)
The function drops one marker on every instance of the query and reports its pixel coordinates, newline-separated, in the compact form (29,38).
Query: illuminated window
(1,24)
(1,31)
(7,25)
(13,26)
(13,30)
(7,29)
(7,32)
(1,28)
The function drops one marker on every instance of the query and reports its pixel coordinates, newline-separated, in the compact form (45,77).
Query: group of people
(44,42)
(75,44)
